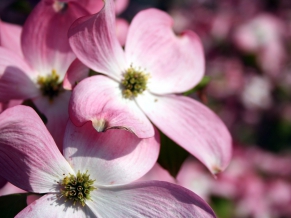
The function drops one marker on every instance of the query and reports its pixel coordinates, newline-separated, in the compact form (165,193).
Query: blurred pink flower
(92,178)
(263,35)
(193,177)
(250,182)
(162,65)
(258,32)
(257,92)
(227,77)
(269,163)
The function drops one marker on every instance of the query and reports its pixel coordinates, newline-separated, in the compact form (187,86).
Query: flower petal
(193,126)
(93,6)
(148,199)
(9,189)
(99,99)
(45,44)
(76,73)
(32,198)
(15,77)
(51,206)
(57,115)
(10,37)
(121,30)
(113,157)
(29,158)
(94,41)
(151,37)
(158,173)
(120,6)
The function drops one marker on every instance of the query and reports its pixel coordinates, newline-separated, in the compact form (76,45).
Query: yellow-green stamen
(50,85)
(134,82)
(77,188)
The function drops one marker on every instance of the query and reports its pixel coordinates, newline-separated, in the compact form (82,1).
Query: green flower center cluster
(50,85)
(77,188)
(134,82)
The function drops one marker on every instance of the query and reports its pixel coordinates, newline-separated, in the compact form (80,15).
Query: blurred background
(247,46)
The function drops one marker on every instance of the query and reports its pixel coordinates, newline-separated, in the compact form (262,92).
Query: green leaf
(203,83)
(223,208)
(22,6)
(93,73)
(171,156)
(10,205)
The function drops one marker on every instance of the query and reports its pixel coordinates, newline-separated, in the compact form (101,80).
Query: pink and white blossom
(168,63)
(111,161)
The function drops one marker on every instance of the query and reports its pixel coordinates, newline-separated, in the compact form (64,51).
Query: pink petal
(121,30)
(158,173)
(50,205)
(12,103)
(45,44)
(94,41)
(99,99)
(15,77)
(193,176)
(29,158)
(191,125)
(148,199)
(76,72)
(93,6)
(32,198)
(120,6)
(9,189)
(57,115)
(113,157)
(10,37)
(151,37)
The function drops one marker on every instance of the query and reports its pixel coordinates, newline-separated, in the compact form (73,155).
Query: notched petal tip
(215,171)
(122,128)
(100,125)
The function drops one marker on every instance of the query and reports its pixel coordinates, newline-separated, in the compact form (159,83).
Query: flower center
(50,85)
(77,188)
(134,82)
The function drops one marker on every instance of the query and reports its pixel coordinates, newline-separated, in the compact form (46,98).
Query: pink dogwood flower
(38,72)
(93,177)
(141,83)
